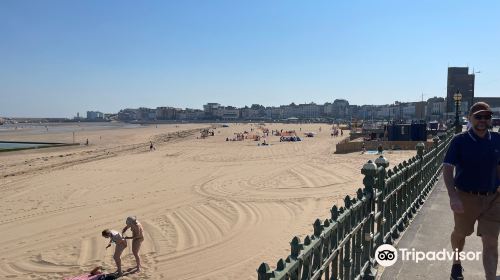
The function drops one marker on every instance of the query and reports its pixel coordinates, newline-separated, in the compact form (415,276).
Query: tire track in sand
(242,237)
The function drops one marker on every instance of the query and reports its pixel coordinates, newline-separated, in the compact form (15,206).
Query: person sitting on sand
(121,244)
(137,237)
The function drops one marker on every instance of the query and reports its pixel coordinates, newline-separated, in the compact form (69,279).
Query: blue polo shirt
(475,160)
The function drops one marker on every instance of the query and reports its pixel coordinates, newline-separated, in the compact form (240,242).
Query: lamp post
(458,99)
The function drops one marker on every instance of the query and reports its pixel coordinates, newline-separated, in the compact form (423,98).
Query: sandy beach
(211,208)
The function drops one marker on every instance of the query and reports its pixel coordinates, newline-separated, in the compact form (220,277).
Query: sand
(211,209)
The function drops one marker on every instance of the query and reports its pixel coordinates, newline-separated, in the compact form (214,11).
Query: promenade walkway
(430,231)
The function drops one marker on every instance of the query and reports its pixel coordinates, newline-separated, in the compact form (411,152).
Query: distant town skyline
(94,110)
(434,109)
(59,58)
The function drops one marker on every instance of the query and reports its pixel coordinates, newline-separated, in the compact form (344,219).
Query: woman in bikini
(121,244)
(137,237)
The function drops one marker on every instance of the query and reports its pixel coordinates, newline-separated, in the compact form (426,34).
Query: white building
(95,115)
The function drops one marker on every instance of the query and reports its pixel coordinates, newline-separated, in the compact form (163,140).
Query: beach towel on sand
(92,277)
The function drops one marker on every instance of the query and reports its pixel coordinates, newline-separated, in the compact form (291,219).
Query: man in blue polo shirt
(474,157)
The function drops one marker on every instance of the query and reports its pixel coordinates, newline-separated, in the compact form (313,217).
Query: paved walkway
(430,231)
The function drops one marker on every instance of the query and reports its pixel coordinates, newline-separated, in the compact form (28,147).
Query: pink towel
(84,277)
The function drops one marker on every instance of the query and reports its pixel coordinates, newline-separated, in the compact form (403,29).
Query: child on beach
(137,237)
(120,245)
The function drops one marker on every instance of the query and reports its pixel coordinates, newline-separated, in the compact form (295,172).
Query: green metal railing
(343,247)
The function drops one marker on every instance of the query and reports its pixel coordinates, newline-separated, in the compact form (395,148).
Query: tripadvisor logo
(386,255)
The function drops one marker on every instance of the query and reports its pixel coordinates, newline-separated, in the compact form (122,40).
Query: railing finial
(420,149)
(335,213)
(318,227)
(295,247)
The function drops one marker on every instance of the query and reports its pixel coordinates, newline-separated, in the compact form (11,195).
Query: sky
(58,58)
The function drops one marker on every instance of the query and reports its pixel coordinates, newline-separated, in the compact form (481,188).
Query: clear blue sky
(62,57)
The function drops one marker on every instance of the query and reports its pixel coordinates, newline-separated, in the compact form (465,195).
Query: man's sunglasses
(482,117)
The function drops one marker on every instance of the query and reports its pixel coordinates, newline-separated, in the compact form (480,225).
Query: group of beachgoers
(204,133)
(285,135)
(290,139)
(120,241)
(380,149)
(337,132)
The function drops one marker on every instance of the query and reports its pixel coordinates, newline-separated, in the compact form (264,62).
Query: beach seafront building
(434,109)
(459,79)
(95,116)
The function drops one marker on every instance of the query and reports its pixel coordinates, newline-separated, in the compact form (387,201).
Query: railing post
(403,202)
(326,248)
(394,202)
(334,243)
(433,165)
(307,261)
(347,264)
(412,188)
(386,208)
(348,213)
(317,252)
(370,171)
(422,180)
(295,248)
(334,216)
(382,208)
(347,260)
(402,199)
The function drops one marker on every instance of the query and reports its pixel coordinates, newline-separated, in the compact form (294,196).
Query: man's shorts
(481,208)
